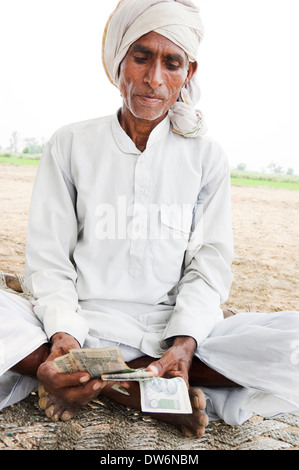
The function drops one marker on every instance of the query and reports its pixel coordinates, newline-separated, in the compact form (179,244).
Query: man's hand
(73,388)
(176,361)
(62,343)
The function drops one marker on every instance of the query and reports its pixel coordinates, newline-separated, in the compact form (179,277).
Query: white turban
(178,21)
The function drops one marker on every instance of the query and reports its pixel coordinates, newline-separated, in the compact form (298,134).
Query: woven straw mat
(105,425)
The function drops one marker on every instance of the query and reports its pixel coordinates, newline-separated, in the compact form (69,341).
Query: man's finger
(54,354)
(176,373)
(156,368)
(83,394)
(70,380)
(48,375)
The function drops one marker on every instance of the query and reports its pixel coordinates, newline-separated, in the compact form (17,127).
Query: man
(130,242)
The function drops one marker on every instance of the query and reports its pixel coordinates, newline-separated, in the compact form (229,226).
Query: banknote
(158,395)
(161,395)
(138,374)
(95,361)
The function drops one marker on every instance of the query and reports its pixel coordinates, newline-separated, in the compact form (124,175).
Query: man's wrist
(187,342)
(60,336)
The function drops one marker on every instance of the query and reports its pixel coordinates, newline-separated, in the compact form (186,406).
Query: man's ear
(191,71)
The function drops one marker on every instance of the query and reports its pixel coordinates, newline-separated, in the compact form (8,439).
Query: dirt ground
(266,231)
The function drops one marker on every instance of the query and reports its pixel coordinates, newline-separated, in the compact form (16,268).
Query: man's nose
(154,75)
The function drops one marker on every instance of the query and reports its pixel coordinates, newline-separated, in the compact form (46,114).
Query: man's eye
(172,66)
(140,60)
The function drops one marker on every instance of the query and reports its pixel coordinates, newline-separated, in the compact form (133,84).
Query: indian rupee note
(66,364)
(159,395)
(95,361)
(138,374)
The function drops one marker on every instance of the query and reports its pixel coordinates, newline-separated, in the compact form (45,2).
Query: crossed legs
(191,425)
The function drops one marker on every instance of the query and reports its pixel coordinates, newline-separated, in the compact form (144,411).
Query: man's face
(152,75)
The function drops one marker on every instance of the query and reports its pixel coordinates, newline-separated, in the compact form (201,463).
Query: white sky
(51,73)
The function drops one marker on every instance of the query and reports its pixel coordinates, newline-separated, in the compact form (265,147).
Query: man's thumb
(156,368)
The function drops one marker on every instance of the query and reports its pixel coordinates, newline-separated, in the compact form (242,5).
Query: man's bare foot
(54,407)
(191,424)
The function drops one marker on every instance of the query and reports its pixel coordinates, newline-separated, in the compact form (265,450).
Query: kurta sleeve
(52,234)
(207,276)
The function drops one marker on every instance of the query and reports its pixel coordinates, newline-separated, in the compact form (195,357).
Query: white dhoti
(258,351)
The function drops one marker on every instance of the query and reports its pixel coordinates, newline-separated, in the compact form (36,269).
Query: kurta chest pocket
(174,228)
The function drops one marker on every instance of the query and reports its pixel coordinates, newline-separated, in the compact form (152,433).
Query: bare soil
(266,231)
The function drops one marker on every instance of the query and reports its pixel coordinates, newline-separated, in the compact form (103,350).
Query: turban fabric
(178,21)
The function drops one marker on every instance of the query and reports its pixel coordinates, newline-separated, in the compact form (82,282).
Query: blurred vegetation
(20,158)
(239,177)
(273,175)
(273,180)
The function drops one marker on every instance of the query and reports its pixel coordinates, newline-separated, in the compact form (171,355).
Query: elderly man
(130,243)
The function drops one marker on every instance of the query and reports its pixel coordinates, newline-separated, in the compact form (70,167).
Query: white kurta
(258,351)
(134,248)
(129,246)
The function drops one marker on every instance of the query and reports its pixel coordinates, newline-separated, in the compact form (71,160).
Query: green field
(20,159)
(238,178)
(268,183)
(255,179)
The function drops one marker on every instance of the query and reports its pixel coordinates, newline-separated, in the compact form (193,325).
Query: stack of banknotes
(158,395)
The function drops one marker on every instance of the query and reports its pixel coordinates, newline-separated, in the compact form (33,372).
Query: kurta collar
(125,143)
